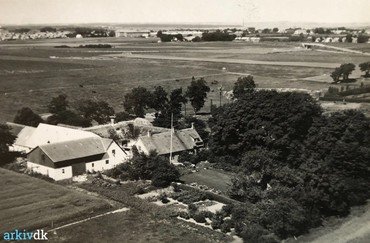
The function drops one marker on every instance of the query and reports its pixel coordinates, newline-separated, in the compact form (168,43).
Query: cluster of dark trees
(365,67)
(147,167)
(218,35)
(169,38)
(82,114)
(90,32)
(95,46)
(295,166)
(139,100)
(343,71)
(48,29)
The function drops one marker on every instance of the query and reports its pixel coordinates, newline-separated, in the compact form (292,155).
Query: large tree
(344,71)
(197,93)
(100,111)
(171,108)
(243,86)
(27,117)
(365,67)
(159,98)
(137,101)
(58,104)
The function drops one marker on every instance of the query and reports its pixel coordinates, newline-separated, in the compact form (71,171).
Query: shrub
(192,208)
(164,175)
(199,217)
(217,221)
(163,198)
(226,226)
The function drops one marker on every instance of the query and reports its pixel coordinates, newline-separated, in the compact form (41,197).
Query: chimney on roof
(112,119)
(192,125)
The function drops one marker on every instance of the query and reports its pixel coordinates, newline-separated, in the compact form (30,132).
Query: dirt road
(228,60)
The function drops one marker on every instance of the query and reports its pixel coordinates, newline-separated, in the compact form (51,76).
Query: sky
(182,11)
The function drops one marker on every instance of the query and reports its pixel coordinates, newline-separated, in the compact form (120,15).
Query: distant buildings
(132,33)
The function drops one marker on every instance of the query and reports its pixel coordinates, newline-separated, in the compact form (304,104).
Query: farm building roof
(47,134)
(80,148)
(15,128)
(183,140)
(142,124)
(24,135)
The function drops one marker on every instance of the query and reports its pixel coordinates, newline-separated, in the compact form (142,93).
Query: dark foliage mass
(6,139)
(217,36)
(147,167)
(243,86)
(197,93)
(99,111)
(59,107)
(27,117)
(295,166)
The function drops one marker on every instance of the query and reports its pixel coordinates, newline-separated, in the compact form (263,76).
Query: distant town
(248,34)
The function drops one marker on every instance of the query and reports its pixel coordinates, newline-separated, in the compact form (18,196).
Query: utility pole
(171,137)
(220,95)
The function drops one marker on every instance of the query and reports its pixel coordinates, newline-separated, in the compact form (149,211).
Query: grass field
(29,77)
(29,203)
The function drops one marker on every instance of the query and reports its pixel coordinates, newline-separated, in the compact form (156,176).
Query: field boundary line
(124,209)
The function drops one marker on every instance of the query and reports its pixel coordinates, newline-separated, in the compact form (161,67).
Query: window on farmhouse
(63,171)
(92,164)
(107,162)
(43,157)
(114,152)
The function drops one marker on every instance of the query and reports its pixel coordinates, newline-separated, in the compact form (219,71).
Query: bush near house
(147,167)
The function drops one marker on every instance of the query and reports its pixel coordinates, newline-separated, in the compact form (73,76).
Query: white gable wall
(56,174)
(115,156)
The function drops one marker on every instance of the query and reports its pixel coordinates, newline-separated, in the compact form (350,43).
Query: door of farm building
(78,169)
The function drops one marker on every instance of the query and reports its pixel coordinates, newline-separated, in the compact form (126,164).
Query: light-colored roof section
(69,150)
(45,134)
(106,142)
(142,124)
(182,140)
(24,135)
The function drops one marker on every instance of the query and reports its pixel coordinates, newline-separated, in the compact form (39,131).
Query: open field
(30,77)
(29,203)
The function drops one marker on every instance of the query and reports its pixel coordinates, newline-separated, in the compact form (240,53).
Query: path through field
(228,60)
(89,218)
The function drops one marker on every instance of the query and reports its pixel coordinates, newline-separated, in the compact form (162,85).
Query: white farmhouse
(64,160)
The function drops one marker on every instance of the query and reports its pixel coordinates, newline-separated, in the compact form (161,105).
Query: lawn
(29,203)
(211,178)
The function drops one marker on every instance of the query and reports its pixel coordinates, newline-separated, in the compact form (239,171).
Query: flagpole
(171,137)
